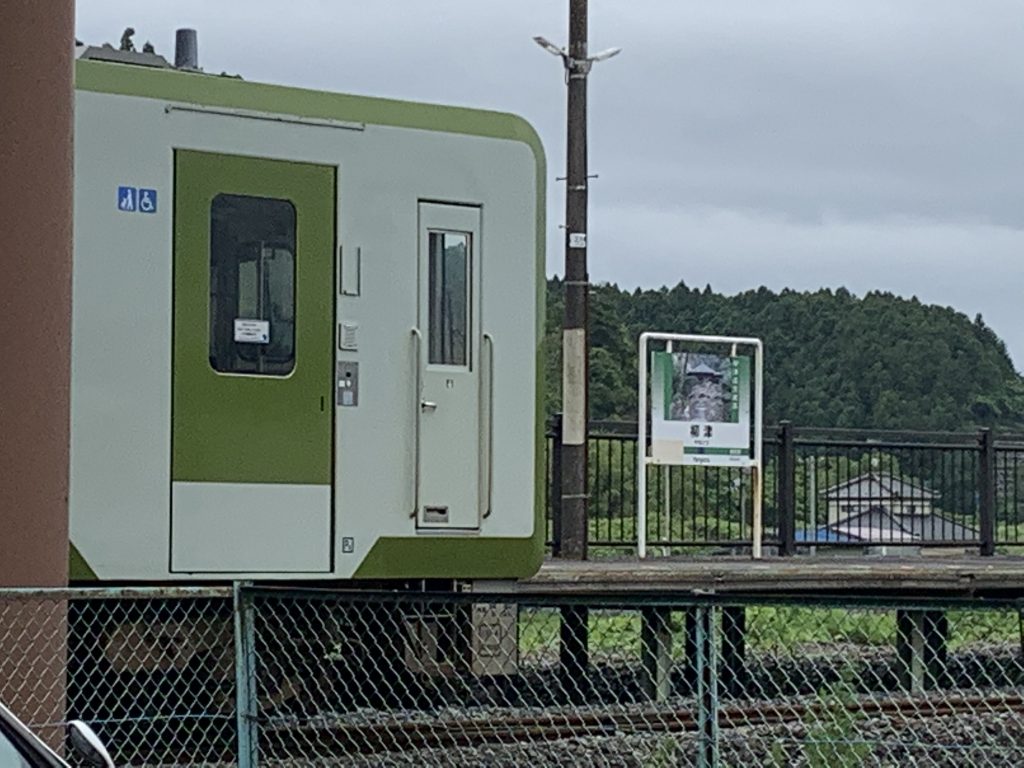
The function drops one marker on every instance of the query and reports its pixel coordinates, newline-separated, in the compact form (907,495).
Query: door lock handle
(427,405)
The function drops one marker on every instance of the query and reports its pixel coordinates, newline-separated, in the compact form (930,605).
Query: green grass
(691,528)
(611,632)
(974,627)
(786,629)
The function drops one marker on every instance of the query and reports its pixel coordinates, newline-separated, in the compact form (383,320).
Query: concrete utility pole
(575,343)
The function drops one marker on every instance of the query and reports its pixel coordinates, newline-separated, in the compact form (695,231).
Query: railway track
(370,738)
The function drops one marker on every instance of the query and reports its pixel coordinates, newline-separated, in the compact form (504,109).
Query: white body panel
(219,527)
(120,491)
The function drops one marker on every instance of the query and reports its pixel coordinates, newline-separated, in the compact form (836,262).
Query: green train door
(251,454)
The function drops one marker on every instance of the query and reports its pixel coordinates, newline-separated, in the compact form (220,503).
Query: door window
(448,298)
(252,285)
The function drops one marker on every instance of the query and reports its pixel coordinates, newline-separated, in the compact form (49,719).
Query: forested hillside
(832,359)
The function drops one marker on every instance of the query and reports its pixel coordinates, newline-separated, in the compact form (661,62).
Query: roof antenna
(186,49)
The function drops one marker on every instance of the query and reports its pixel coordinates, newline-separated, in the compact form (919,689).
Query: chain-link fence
(151,670)
(300,677)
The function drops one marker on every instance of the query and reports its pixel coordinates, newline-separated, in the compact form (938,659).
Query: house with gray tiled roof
(879,525)
(873,490)
(878,508)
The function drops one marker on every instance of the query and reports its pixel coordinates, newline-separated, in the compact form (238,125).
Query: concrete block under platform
(480,638)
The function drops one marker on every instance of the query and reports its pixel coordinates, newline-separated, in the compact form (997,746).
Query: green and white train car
(306,334)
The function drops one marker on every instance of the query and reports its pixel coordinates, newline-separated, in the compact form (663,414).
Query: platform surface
(946,576)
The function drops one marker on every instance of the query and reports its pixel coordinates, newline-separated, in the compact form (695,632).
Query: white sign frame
(644,460)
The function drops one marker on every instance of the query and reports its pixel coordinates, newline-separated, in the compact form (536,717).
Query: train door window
(448,297)
(252,285)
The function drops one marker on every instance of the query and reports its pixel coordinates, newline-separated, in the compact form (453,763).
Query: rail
(373,738)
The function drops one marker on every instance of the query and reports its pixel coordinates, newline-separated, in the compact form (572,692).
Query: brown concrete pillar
(36,88)
(36,82)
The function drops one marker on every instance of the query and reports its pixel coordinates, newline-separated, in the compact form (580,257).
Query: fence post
(786,484)
(921,648)
(987,492)
(911,650)
(656,652)
(707,688)
(246,704)
(574,651)
(555,489)
(936,637)
(734,649)
(690,650)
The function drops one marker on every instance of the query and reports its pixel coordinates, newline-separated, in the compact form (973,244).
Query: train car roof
(227,92)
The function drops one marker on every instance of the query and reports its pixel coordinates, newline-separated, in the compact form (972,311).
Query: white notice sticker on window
(252,331)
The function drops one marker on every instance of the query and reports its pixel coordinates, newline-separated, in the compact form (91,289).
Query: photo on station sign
(700,408)
(703,388)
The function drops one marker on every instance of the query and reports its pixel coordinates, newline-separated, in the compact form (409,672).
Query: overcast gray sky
(787,143)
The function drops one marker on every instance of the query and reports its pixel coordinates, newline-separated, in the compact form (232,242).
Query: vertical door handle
(488,342)
(417,399)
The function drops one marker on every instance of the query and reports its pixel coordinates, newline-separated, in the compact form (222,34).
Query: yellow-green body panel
(252,429)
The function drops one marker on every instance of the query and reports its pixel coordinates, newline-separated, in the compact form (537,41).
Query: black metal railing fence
(822,489)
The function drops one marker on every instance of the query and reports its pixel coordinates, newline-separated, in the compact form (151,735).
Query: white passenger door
(451,448)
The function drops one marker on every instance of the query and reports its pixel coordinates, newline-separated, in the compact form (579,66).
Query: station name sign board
(700,409)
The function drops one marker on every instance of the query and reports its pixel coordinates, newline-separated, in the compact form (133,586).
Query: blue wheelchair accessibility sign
(135,200)
(147,200)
